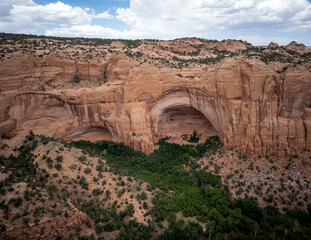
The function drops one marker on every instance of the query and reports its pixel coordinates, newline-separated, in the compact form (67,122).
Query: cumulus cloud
(165,19)
(103,15)
(200,17)
(5,8)
(302,19)
(56,13)
(27,16)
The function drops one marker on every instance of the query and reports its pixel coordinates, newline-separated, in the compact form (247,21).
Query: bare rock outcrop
(299,48)
(273,45)
(234,45)
(243,101)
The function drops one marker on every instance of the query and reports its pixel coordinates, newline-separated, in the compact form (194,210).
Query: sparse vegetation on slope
(84,190)
(196,193)
(179,53)
(175,185)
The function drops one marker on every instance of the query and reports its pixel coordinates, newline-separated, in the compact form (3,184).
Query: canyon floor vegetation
(107,190)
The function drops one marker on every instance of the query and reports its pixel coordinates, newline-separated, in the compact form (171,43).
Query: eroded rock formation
(244,101)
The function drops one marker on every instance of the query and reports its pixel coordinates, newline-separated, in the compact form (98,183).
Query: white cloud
(304,15)
(5,8)
(26,16)
(200,17)
(56,13)
(165,19)
(103,15)
(244,4)
(301,20)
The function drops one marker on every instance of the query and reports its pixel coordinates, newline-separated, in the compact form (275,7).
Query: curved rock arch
(52,116)
(191,101)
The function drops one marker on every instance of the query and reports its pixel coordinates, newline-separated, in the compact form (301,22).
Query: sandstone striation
(244,101)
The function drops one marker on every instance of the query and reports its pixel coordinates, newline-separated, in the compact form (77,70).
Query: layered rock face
(243,101)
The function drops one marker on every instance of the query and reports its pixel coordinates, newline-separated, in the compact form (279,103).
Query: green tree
(76,79)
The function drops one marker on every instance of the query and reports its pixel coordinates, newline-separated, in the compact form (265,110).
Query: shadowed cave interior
(178,120)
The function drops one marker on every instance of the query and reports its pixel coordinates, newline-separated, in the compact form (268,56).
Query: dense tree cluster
(183,187)
(198,193)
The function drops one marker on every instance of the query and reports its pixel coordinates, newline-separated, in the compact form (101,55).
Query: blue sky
(256,21)
(99,6)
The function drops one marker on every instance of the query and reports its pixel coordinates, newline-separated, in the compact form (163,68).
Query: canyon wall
(243,101)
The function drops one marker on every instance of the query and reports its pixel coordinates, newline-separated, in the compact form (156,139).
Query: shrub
(194,137)
(84,184)
(58,166)
(16,201)
(59,158)
(145,205)
(87,170)
(141,196)
(76,79)
(82,158)
(97,192)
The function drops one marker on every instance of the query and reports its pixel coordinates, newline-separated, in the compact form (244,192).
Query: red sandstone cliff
(245,101)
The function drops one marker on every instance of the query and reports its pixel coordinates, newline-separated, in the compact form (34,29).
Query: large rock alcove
(179,120)
(187,110)
(52,116)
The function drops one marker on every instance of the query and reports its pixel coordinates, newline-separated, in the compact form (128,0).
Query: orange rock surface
(242,100)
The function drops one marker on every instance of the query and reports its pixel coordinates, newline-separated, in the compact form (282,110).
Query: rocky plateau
(255,176)
(136,92)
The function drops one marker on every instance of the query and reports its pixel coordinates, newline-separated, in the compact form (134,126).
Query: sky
(256,21)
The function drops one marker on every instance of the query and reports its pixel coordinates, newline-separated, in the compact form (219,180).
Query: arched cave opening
(51,116)
(179,120)
(90,133)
